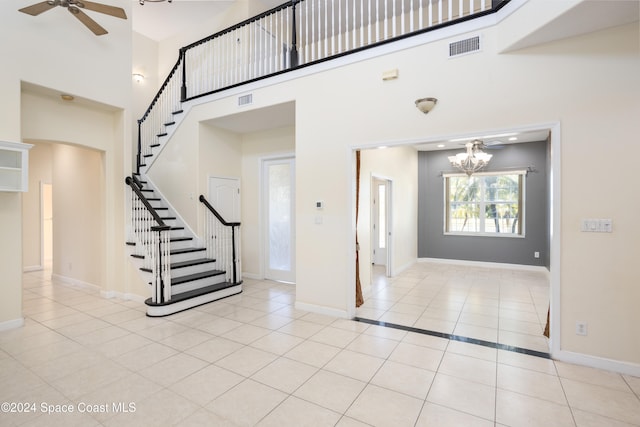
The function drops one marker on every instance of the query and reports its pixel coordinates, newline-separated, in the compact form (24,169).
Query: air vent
(245,100)
(463,47)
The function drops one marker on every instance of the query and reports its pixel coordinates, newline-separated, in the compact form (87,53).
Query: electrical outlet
(581,328)
(536,254)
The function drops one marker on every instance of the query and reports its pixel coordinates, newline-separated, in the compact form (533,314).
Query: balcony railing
(296,34)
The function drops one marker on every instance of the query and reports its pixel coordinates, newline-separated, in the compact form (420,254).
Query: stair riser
(182,244)
(184,271)
(196,284)
(189,256)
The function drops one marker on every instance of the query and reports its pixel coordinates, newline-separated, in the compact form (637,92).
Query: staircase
(181,272)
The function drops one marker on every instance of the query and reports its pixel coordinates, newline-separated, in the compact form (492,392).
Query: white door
(279,213)
(379,229)
(224,196)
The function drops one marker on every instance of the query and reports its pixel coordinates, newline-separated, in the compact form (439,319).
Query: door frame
(263,222)
(388,219)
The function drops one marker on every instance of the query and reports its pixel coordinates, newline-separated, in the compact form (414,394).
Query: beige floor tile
(89,379)
(277,342)
(143,357)
(313,353)
(531,342)
(301,328)
(246,361)
(330,390)
(336,337)
(437,325)
(187,339)
(593,376)
(424,340)
(418,356)
(468,368)
(405,379)
(462,395)
(399,318)
(202,417)
(350,422)
(246,334)
(284,374)
(634,383)
(214,349)
(589,419)
(271,321)
(219,326)
(531,383)
(527,362)
(513,409)
(373,346)
(163,408)
(382,332)
(476,332)
(472,350)
(299,413)
(381,407)
(355,365)
(173,369)
(204,385)
(247,403)
(619,405)
(439,416)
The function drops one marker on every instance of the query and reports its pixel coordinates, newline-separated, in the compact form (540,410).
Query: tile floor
(507,306)
(253,359)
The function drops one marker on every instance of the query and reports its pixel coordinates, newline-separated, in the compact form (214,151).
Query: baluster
(339,33)
(450,8)
(393,21)
(355,32)
(411,16)
(439,11)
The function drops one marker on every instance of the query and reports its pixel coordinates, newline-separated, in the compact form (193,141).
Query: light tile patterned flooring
(253,359)
(507,306)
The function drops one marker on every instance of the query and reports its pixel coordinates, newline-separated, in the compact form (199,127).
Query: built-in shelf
(14,166)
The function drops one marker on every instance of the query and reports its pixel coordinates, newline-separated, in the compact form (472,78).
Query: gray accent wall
(433,243)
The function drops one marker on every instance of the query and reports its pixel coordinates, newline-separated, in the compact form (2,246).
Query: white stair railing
(151,237)
(222,241)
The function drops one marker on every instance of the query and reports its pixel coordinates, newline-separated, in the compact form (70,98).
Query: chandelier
(473,159)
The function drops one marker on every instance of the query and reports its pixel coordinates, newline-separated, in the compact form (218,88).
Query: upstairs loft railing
(152,241)
(296,34)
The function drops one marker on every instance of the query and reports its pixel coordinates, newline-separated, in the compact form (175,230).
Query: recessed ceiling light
(382,147)
(513,138)
(440,145)
(67,97)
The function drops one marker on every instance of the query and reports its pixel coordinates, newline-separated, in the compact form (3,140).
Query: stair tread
(194,293)
(180,239)
(192,262)
(170,123)
(195,276)
(178,112)
(162,134)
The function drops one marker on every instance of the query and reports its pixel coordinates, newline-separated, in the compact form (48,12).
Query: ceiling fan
(75,8)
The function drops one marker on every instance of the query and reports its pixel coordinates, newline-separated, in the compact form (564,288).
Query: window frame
(522,174)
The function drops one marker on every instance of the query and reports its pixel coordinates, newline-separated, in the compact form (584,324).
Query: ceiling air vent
(465,46)
(245,100)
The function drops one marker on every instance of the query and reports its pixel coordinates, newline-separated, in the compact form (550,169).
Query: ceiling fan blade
(38,8)
(96,28)
(118,12)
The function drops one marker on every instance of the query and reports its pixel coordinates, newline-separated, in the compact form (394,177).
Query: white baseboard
(327,311)
(32,268)
(621,367)
(11,324)
(76,282)
(502,265)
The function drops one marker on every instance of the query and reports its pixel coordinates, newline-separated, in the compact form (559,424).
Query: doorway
(46,229)
(380,223)
(278,206)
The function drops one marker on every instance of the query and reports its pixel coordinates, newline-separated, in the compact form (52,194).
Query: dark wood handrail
(204,201)
(136,185)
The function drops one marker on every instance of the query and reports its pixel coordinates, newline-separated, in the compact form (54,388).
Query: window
(489,204)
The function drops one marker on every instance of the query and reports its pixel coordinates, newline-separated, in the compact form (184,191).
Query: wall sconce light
(138,78)
(67,97)
(426,104)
